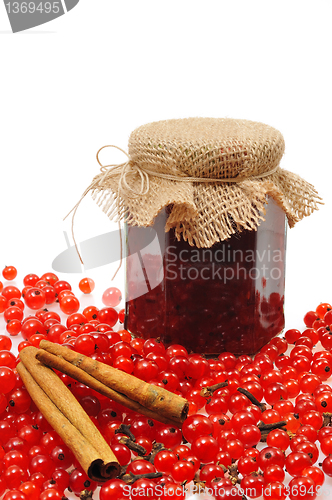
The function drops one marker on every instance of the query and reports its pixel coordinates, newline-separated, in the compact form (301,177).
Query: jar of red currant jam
(206,205)
(229,297)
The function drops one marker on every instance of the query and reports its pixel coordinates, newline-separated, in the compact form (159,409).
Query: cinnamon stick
(81,376)
(152,401)
(67,417)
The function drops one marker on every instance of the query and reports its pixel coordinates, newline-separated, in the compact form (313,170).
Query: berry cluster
(279,397)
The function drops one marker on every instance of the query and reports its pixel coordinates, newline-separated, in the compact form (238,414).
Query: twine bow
(123,170)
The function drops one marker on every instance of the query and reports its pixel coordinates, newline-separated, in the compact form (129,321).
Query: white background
(91,76)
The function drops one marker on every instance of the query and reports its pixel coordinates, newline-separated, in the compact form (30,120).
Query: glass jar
(229,297)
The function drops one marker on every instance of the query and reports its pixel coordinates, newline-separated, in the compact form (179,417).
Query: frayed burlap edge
(204,214)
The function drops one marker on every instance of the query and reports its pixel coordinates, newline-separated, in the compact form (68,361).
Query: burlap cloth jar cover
(235,162)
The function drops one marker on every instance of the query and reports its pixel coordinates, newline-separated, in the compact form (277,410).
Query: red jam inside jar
(229,297)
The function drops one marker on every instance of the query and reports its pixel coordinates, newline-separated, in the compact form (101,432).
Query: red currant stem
(123,469)
(132,478)
(270,427)
(86,495)
(125,429)
(252,398)
(327,419)
(209,390)
(199,486)
(233,474)
(264,437)
(257,473)
(133,446)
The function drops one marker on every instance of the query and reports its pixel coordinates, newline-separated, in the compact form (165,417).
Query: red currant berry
(270,456)
(303,487)
(86,285)
(114,489)
(196,426)
(35,298)
(111,297)
(205,448)
(183,471)
(108,315)
(296,462)
(69,304)
(9,273)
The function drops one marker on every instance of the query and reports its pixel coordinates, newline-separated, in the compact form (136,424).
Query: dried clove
(209,390)
(125,429)
(140,450)
(252,399)
(132,478)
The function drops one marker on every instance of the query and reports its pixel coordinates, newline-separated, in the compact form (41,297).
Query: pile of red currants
(256,425)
